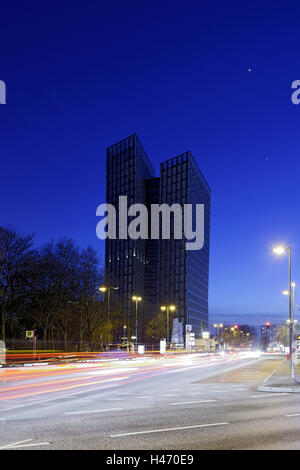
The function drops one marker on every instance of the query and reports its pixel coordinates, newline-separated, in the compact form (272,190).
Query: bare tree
(16,256)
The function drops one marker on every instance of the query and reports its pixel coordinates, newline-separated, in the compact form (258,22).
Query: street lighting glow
(285,292)
(172,308)
(102,289)
(279,250)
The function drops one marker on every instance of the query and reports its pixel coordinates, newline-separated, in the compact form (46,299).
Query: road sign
(30,334)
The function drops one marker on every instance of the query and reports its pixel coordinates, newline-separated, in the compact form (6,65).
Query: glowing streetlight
(107,289)
(218,326)
(280,250)
(136,299)
(168,308)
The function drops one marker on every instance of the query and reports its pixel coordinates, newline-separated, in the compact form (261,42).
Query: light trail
(57,378)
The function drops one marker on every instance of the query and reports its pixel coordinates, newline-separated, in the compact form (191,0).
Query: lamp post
(168,308)
(136,299)
(280,250)
(105,289)
(291,322)
(218,327)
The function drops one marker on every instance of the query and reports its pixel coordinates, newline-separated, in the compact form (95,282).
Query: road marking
(191,402)
(168,429)
(144,396)
(268,395)
(31,445)
(169,395)
(115,399)
(292,416)
(17,445)
(92,411)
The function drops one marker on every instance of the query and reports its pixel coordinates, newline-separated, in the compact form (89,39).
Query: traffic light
(268,325)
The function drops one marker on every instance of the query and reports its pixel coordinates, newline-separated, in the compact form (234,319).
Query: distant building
(268,334)
(162,272)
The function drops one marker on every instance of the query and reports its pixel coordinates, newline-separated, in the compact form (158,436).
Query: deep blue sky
(83,75)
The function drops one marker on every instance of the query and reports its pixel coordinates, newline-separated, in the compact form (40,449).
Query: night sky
(211,77)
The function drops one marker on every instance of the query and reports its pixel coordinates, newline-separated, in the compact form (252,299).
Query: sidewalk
(280,381)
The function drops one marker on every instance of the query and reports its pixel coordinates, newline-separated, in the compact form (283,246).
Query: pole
(108,317)
(293,326)
(136,323)
(168,326)
(33,344)
(290,316)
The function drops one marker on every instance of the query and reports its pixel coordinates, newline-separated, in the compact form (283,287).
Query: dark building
(127,167)
(151,297)
(161,271)
(268,334)
(183,274)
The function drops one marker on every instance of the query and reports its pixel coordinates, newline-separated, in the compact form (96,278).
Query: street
(187,402)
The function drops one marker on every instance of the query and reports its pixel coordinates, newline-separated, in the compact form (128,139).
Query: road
(180,403)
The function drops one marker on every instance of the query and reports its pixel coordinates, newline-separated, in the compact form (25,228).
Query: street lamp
(168,308)
(218,326)
(105,289)
(280,250)
(136,299)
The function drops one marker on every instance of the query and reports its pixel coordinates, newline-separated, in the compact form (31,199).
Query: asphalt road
(179,404)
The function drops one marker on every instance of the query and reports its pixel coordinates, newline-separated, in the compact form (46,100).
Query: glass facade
(127,167)
(160,271)
(183,274)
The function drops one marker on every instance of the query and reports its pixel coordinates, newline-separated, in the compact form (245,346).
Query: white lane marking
(14,444)
(30,445)
(169,429)
(268,395)
(191,402)
(92,411)
(123,393)
(170,395)
(293,415)
(115,399)
(144,396)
